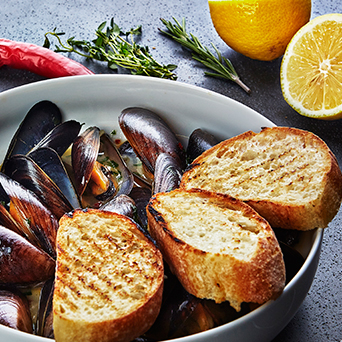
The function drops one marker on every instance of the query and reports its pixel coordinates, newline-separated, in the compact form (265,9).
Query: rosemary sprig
(117,48)
(221,66)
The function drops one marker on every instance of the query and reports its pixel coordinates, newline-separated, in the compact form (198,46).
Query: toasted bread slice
(109,278)
(217,246)
(289,176)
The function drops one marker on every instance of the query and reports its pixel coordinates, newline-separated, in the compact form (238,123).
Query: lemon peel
(259,29)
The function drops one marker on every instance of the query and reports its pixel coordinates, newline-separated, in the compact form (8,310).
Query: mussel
(35,220)
(293,261)
(38,122)
(83,156)
(6,218)
(149,135)
(52,165)
(183,314)
(98,168)
(167,174)
(24,170)
(135,165)
(44,322)
(121,204)
(60,137)
(22,263)
(14,310)
(200,140)
(109,156)
(141,197)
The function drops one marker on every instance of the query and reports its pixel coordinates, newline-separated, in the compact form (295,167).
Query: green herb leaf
(116,48)
(221,66)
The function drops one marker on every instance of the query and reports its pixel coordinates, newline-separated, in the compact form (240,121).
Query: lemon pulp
(311,70)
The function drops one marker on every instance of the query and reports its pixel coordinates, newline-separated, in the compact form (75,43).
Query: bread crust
(81,284)
(213,275)
(304,214)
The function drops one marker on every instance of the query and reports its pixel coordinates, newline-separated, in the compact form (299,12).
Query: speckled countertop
(320,316)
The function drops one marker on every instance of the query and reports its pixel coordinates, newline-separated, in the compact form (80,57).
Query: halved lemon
(311,69)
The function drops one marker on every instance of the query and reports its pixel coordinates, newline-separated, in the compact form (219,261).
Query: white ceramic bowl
(98,100)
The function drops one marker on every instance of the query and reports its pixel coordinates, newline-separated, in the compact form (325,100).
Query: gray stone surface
(319,318)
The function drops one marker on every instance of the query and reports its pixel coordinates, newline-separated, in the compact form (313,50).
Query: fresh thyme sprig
(221,66)
(117,48)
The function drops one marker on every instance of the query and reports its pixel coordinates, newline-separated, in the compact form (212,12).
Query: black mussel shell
(44,323)
(293,261)
(287,236)
(21,262)
(183,314)
(112,154)
(141,178)
(6,218)
(36,222)
(199,141)
(14,310)
(25,171)
(121,204)
(141,197)
(60,137)
(167,174)
(50,162)
(149,135)
(38,122)
(84,154)
(8,221)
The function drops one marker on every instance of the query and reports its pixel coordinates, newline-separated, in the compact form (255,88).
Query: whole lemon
(259,29)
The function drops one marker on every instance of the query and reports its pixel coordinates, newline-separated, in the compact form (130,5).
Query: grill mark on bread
(229,252)
(269,175)
(125,274)
(159,218)
(109,277)
(288,175)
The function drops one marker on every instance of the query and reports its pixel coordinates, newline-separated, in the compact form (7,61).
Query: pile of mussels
(51,169)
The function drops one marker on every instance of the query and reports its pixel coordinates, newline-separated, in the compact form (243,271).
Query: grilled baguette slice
(218,247)
(109,278)
(289,176)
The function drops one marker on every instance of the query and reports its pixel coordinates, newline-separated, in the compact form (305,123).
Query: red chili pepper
(38,60)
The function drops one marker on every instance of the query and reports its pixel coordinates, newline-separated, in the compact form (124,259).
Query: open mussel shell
(167,174)
(134,164)
(50,162)
(44,323)
(25,171)
(149,135)
(38,122)
(60,137)
(22,263)
(83,155)
(108,149)
(36,222)
(199,141)
(14,310)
